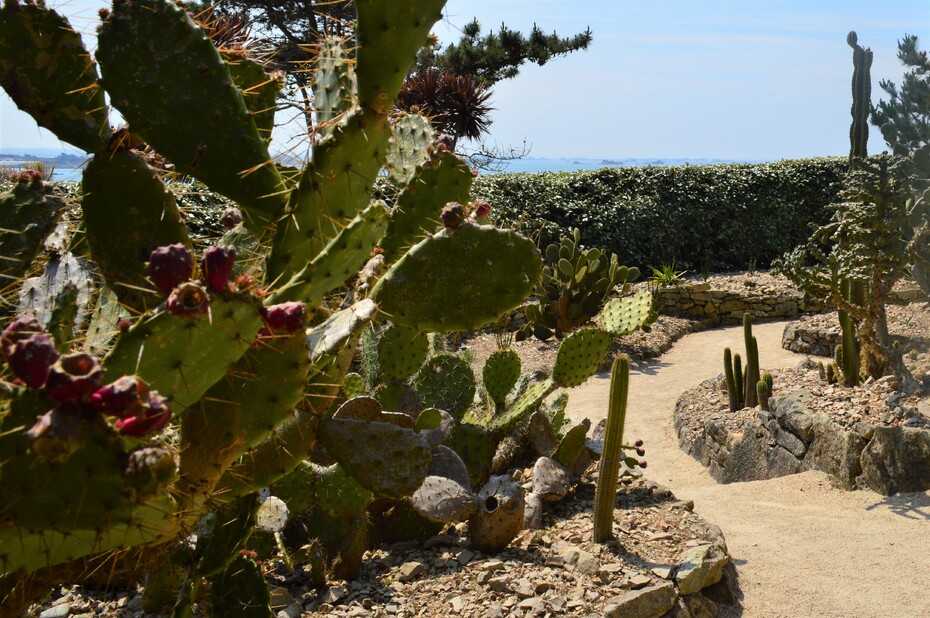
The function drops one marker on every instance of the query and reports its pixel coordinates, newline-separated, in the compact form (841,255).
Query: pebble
(410,570)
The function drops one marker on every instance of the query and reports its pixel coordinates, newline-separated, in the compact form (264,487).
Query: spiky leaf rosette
(48,73)
(446,382)
(401,351)
(500,373)
(579,356)
(198,118)
(459,279)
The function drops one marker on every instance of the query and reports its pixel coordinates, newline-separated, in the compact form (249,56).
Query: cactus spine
(609,467)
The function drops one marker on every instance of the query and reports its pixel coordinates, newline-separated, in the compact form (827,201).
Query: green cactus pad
(333,334)
(121,250)
(258,393)
(334,88)
(332,190)
(525,404)
(446,382)
(48,72)
(571,446)
(622,316)
(182,358)
(29,213)
(580,354)
(389,35)
(353,386)
(501,371)
(459,279)
(416,215)
(398,397)
(259,91)
(170,83)
(384,458)
(411,135)
(343,257)
(401,351)
(359,409)
(241,590)
(475,445)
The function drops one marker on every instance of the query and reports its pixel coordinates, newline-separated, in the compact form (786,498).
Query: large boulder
(897,459)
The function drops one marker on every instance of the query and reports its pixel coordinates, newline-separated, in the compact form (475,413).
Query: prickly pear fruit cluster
(170,266)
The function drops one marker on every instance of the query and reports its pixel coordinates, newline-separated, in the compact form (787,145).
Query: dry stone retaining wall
(792,439)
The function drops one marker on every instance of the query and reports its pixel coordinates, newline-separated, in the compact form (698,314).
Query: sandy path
(802,547)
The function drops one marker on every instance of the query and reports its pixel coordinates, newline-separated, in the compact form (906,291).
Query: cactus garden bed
(870,436)
(666,556)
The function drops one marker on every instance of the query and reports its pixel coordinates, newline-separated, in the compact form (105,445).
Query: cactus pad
(500,373)
(475,445)
(353,386)
(579,357)
(444,500)
(48,72)
(411,134)
(182,358)
(197,119)
(259,90)
(29,213)
(571,446)
(384,458)
(334,88)
(108,179)
(416,215)
(434,289)
(527,403)
(359,409)
(622,316)
(401,351)
(446,382)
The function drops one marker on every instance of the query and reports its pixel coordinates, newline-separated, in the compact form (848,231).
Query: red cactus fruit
(188,300)
(453,215)
(124,397)
(284,319)
(31,358)
(152,417)
(20,328)
(170,266)
(482,209)
(217,265)
(74,377)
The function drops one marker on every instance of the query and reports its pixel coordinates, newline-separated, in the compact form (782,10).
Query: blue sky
(733,79)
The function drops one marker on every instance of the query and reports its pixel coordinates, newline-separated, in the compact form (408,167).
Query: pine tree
(904,118)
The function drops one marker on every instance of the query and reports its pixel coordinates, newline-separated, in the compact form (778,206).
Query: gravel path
(801,546)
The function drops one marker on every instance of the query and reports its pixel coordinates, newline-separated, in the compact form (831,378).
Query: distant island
(62,160)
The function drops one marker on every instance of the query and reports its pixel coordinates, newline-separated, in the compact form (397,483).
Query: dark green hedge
(722,217)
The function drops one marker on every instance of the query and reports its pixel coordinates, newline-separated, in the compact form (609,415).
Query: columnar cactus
(608,470)
(751,377)
(862,100)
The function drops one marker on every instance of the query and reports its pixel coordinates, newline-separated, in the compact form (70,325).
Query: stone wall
(792,439)
(696,300)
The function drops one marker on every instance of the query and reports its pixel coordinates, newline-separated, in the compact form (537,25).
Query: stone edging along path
(791,439)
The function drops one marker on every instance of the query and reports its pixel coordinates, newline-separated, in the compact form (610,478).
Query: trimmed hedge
(719,217)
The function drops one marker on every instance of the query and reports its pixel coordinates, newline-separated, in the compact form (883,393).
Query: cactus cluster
(745,388)
(214,380)
(576,283)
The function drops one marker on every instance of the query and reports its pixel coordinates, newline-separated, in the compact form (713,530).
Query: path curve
(802,547)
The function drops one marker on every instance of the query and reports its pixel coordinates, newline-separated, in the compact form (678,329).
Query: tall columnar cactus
(862,100)
(244,365)
(752,363)
(733,371)
(609,468)
(847,353)
(764,390)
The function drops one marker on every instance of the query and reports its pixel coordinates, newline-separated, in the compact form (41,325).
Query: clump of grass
(666,275)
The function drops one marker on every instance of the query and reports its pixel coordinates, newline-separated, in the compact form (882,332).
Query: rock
(640,581)
(410,570)
(541,435)
(499,517)
(835,451)
(700,567)
(587,564)
(646,603)
(664,571)
(781,462)
(897,459)
(551,480)
(748,457)
(533,512)
(62,610)
(791,443)
(793,413)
